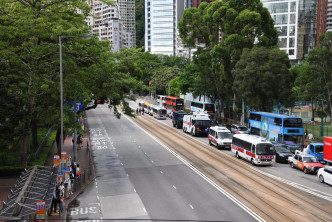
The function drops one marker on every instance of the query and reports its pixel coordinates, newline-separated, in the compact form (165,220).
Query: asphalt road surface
(139,179)
(172,176)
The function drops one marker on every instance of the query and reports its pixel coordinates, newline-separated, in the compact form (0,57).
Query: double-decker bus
(204,107)
(161,100)
(173,104)
(276,127)
(254,149)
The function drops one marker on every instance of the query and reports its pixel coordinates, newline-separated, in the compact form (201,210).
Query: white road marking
(97,197)
(152,161)
(161,172)
(135,190)
(231,197)
(191,206)
(312,191)
(144,210)
(122,164)
(127,175)
(174,187)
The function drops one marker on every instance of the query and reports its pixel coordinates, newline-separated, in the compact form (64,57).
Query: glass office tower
(296,23)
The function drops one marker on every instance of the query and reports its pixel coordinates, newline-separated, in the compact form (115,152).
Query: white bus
(161,100)
(204,107)
(159,112)
(253,148)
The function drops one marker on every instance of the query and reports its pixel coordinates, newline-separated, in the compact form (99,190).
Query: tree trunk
(313,110)
(25,146)
(234,107)
(34,130)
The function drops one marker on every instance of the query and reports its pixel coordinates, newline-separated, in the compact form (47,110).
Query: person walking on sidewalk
(61,205)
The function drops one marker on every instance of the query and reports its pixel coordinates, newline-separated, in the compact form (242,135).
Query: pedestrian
(310,136)
(78,172)
(137,112)
(79,141)
(61,205)
(55,198)
(62,189)
(142,111)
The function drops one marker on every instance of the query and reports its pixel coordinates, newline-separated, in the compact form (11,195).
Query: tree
(240,24)
(263,78)
(320,64)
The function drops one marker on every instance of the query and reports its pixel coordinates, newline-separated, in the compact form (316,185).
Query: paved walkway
(6,184)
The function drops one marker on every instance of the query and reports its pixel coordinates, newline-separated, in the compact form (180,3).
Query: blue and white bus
(276,127)
(204,107)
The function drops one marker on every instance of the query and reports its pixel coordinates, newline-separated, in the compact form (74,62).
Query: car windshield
(242,128)
(310,160)
(225,135)
(202,122)
(264,149)
(319,149)
(282,149)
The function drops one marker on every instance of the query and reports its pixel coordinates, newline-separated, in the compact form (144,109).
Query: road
(139,178)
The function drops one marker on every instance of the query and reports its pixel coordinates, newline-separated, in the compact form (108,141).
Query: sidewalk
(83,160)
(6,184)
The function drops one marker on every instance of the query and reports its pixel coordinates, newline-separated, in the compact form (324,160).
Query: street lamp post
(61,87)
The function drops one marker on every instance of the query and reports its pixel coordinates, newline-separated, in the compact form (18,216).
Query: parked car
(282,152)
(305,162)
(325,175)
(293,146)
(237,129)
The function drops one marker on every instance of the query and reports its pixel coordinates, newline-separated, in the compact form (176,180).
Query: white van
(196,124)
(221,137)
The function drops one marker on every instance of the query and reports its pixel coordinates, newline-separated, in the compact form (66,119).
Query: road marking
(144,210)
(191,206)
(152,161)
(127,175)
(122,164)
(135,190)
(161,172)
(227,194)
(174,187)
(97,197)
(312,191)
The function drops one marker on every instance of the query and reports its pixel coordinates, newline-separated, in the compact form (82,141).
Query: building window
(283,43)
(280,19)
(291,42)
(292,30)
(293,7)
(292,19)
(282,30)
(291,52)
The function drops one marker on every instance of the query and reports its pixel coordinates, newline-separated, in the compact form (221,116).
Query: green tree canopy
(263,78)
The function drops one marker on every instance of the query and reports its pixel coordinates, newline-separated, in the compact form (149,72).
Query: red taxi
(305,162)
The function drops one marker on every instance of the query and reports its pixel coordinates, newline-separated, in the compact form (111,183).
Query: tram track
(269,198)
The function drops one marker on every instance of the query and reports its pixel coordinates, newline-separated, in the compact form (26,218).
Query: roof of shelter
(36,183)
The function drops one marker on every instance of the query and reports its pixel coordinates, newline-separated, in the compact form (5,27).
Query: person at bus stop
(55,198)
(61,205)
(137,112)
(142,111)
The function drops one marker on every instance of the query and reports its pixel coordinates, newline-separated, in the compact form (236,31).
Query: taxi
(305,162)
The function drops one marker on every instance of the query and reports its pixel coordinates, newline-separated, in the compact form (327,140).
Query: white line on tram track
(191,206)
(174,187)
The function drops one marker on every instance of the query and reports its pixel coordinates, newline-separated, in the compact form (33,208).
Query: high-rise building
(321,18)
(296,23)
(329,16)
(105,20)
(127,14)
(161,20)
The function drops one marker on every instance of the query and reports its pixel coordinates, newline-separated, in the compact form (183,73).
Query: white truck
(196,124)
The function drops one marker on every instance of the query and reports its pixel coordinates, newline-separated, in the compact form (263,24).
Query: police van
(196,124)
(221,137)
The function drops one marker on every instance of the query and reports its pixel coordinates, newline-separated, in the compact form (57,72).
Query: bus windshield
(202,122)
(293,122)
(264,149)
(162,111)
(225,135)
(209,107)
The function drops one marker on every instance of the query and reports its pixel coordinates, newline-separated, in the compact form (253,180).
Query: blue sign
(79,105)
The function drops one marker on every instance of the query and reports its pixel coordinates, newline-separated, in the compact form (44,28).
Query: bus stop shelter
(36,183)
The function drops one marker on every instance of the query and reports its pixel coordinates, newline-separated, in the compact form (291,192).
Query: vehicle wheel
(237,155)
(183,130)
(192,133)
(292,164)
(321,178)
(277,160)
(210,143)
(252,162)
(305,170)
(174,125)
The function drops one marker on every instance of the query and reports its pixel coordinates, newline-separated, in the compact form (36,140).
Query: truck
(196,124)
(327,156)
(177,119)
(317,150)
